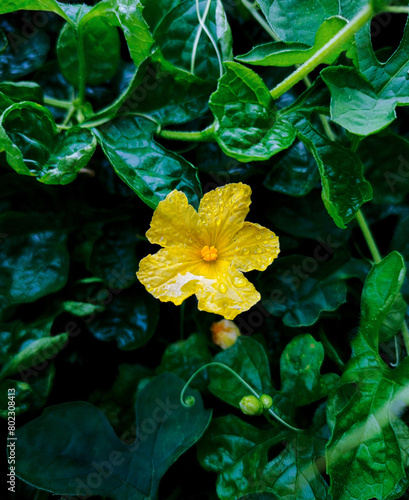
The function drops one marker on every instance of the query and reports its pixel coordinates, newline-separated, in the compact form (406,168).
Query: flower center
(209,254)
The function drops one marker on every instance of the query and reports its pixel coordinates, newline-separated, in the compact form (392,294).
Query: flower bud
(266,401)
(224,333)
(250,405)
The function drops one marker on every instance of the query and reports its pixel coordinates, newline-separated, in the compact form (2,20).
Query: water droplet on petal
(259,250)
(258,236)
(245,251)
(237,249)
(239,282)
(222,288)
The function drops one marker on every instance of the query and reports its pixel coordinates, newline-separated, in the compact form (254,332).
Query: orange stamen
(209,254)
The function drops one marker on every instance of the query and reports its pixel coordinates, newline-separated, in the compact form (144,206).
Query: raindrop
(239,282)
(222,288)
(245,251)
(258,236)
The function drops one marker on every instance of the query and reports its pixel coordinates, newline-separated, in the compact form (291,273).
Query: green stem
(397,10)
(68,116)
(57,103)
(368,236)
(319,57)
(252,8)
(205,135)
(190,401)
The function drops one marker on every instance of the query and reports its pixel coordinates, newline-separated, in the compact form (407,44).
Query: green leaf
(29,136)
(392,324)
(239,453)
(148,168)
(126,15)
(113,256)
(364,102)
(301,380)
(306,217)
(295,173)
(81,309)
(344,189)
(29,397)
(287,17)
(183,42)
(171,98)
(101,52)
(288,54)
(45,5)
(22,91)
(386,161)
(248,358)
(22,55)
(184,357)
(37,351)
(300,288)
(247,127)
(129,318)
(22,394)
(367,454)
(32,266)
(381,289)
(26,353)
(59,456)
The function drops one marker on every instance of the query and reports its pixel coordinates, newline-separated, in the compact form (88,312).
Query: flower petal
(222,212)
(229,295)
(253,247)
(175,223)
(173,274)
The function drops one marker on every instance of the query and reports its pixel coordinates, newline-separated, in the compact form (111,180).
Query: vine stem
(57,103)
(248,386)
(370,241)
(205,135)
(397,9)
(319,57)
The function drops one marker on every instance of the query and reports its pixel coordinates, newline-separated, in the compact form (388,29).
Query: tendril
(190,400)
(204,28)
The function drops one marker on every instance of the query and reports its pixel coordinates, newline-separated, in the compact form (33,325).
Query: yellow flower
(205,252)
(224,333)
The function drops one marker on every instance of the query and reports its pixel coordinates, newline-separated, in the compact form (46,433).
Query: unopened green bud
(250,405)
(267,401)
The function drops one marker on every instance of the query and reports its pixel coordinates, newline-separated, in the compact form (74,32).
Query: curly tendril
(190,400)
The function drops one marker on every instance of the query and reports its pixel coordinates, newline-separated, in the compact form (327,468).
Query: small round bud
(250,405)
(224,333)
(266,401)
(190,401)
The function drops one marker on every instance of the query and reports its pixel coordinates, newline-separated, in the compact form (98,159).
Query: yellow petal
(175,223)
(253,247)
(173,274)
(222,213)
(229,295)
